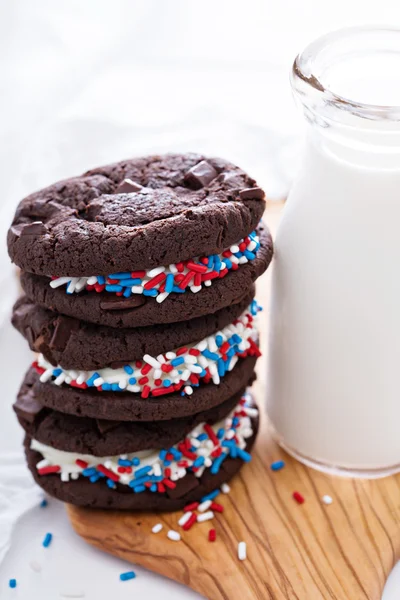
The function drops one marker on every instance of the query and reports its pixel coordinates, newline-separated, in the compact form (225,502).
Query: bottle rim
(307,73)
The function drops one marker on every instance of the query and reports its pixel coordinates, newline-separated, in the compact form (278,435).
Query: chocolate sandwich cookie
(125,406)
(159,479)
(101,304)
(135,215)
(72,343)
(99,437)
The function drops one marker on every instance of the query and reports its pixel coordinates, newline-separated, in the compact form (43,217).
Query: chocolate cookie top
(76,344)
(136,214)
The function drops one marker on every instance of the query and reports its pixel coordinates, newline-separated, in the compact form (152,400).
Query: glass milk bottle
(334,356)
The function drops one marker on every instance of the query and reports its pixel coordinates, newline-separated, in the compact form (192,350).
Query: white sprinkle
(234,259)
(137,289)
(185,375)
(251,246)
(161,297)
(225,488)
(81,284)
(170,355)
(251,412)
(204,506)
(60,379)
(59,281)
(92,280)
(234,249)
(46,375)
(73,594)
(207,462)
(173,535)
(81,378)
(243,260)
(195,288)
(201,345)
(184,518)
(207,283)
(195,443)
(188,390)
(155,271)
(161,359)
(35,566)
(242,551)
(157,528)
(327,499)
(98,381)
(152,361)
(74,475)
(42,463)
(230,434)
(157,469)
(207,516)
(64,476)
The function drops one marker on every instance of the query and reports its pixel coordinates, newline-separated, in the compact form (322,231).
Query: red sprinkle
(167,472)
(181,351)
(48,470)
(180,267)
(242,246)
(210,432)
(163,390)
(160,487)
(217,507)
(224,348)
(191,507)
(170,484)
(189,524)
(137,274)
(194,352)
(196,267)
(208,276)
(223,273)
(298,497)
(186,280)
(154,281)
(108,473)
(197,279)
(146,369)
(143,380)
(81,463)
(146,391)
(166,368)
(212,535)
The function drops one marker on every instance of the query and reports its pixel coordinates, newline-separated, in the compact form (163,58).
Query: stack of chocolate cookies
(139,300)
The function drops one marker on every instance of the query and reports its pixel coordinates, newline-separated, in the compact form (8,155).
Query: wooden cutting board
(311,551)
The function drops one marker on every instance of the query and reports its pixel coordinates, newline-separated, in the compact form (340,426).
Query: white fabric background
(88,82)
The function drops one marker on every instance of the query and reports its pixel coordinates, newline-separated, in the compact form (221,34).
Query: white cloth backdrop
(88,82)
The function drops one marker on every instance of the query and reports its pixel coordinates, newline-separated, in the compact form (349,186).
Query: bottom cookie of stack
(150,479)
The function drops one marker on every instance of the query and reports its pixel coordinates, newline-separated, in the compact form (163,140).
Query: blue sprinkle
(124,462)
(211,495)
(215,467)
(142,471)
(163,454)
(231,341)
(100,279)
(138,489)
(127,293)
(211,262)
(199,462)
(120,276)
(245,456)
(47,540)
(180,372)
(249,255)
(175,453)
(211,355)
(132,380)
(115,387)
(202,437)
(130,282)
(94,478)
(89,472)
(43,503)
(179,360)
(219,340)
(57,372)
(227,363)
(153,488)
(231,352)
(217,263)
(127,576)
(236,338)
(92,379)
(12,583)
(220,433)
(238,254)
(178,290)
(128,369)
(136,461)
(235,421)
(183,394)
(114,288)
(228,263)
(221,367)
(277,465)
(151,293)
(166,382)
(169,283)
(167,463)
(106,387)
(139,481)
(111,484)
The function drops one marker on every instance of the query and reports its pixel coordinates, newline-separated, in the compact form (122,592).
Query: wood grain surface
(311,551)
